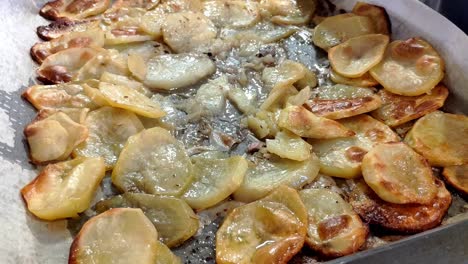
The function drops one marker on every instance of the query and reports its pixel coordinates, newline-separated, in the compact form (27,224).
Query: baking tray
(25,239)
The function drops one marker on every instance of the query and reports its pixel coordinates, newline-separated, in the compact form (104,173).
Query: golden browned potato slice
(304,123)
(337,29)
(173,218)
(54,137)
(440,138)
(342,157)
(411,67)
(377,14)
(289,146)
(73,9)
(264,175)
(288,12)
(109,61)
(214,180)
(365,80)
(154,162)
(407,218)
(267,231)
(457,176)
(64,189)
(334,229)
(398,174)
(289,73)
(146,4)
(232,13)
(63,26)
(399,109)
(126,98)
(118,236)
(356,56)
(341,101)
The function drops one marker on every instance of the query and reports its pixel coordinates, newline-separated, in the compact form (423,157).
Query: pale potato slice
(411,67)
(304,123)
(264,175)
(65,26)
(109,128)
(154,162)
(173,71)
(301,97)
(165,255)
(54,137)
(232,13)
(64,189)
(457,176)
(123,80)
(399,109)
(377,14)
(337,29)
(288,12)
(241,100)
(210,97)
(118,236)
(365,80)
(440,138)
(153,21)
(109,61)
(146,4)
(342,157)
(173,6)
(73,9)
(173,218)
(78,115)
(289,146)
(126,98)
(263,124)
(288,73)
(341,101)
(398,174)
(356,56)
(334,229)
(125,26)
(214,181)
(264,32)
(278,98)
(188,32)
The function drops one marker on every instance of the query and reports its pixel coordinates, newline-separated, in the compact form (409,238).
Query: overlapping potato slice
(271,230)
(54,137)
(154,162)
(288,12)
(126,98)
(289,146)
(241,100)
(232,13)
(457,176)
(334,228)
(356,56)
(399,109)
(440,138)
(78,115)
(278,98)
(365,80)
(172,217)
(108,61)
(304,123)
(377,14)
(73,9)
(109,128)
(125,26)
(337,29)
(342,157)
(264,175)
(411,67)
(165,255)
(341,101)
(63,26)
(123,80)
(214,181)
(264,32)
(64,189)
(407,218)
(288,73)
(398,174)
(146,4)
(210,97)
(122,235)
(263,123)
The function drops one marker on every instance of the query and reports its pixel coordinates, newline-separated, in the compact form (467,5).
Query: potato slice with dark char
(64,189)
(288,12)
(365,80)
(63,26)
(440,138)
(377,14)
(399,109)
(73,9)
(132,239)
(172,217)
(398,174)
(405,218)
(457,176)
(334,229)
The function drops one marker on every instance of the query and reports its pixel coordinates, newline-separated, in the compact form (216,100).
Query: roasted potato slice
(288,12)
(342,157)
(399,109)
(54,137)
(289,146)
(304,123)
(133,239)
(64,189)
(232,13)
(64,26)
(334,229)
(365,80)
(214,180)
(123,80)
(154,162)
(125,25)
(457,176)
(440,138)
(397,174)
(406,218)
(109,61)
(73,9)
(172,217)
(337,29)
(341,101)
(411,67)
(146,4)
(264,175)
(377,14)
(289,73)
(356,56)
